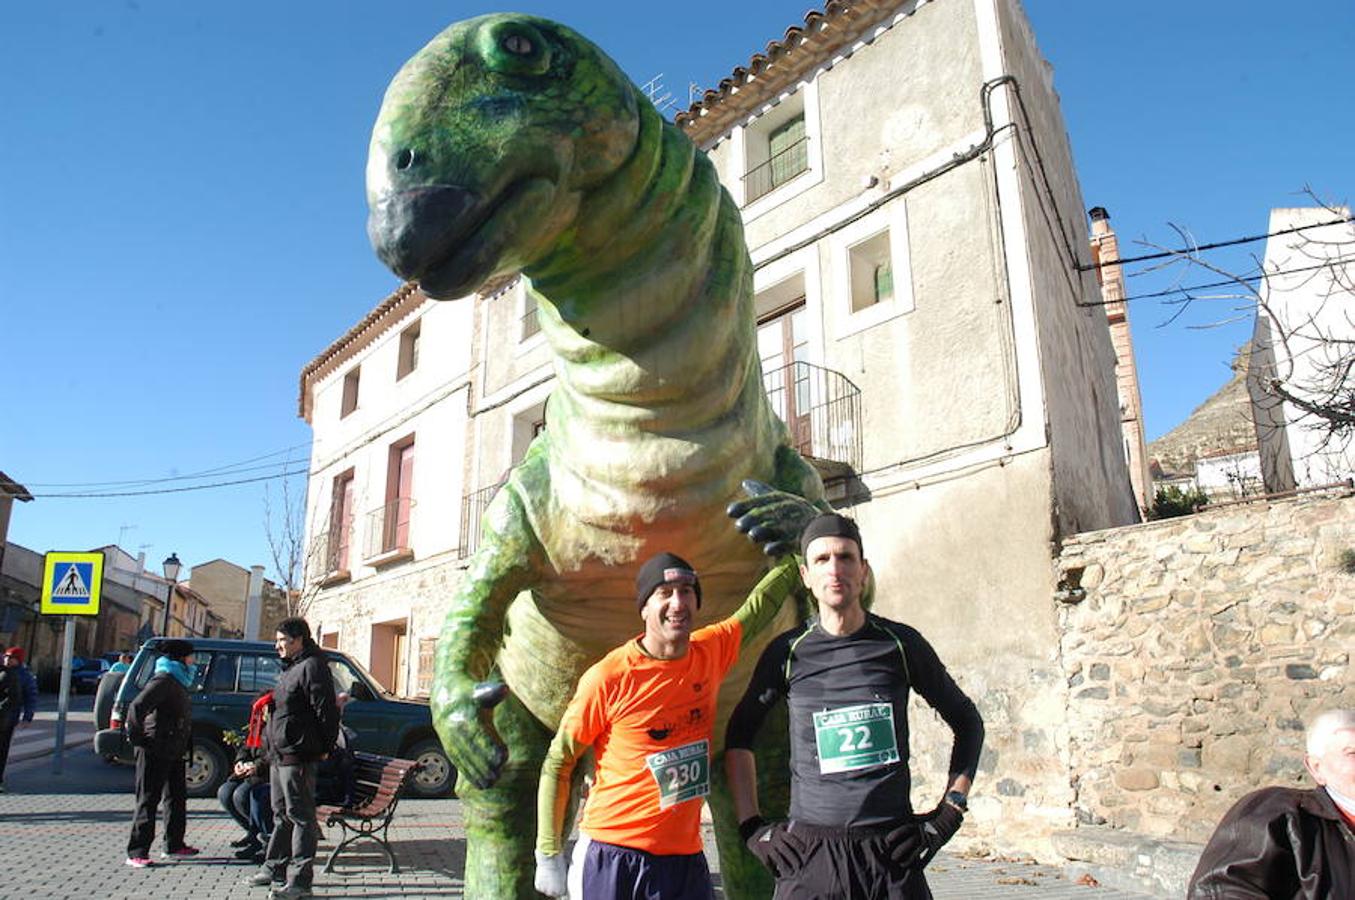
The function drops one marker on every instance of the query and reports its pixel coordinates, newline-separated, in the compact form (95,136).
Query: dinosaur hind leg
(501,821)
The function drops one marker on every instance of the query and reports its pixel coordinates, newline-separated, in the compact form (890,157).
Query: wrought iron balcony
(473,508)
(328,558)
(782,167)
(821,407)
(388,528)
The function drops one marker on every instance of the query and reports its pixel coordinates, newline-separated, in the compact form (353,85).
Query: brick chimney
(1106,253)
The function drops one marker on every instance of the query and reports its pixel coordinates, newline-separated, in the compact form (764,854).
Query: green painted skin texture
(510,144)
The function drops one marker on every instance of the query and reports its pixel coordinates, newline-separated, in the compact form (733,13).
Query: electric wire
(1260,276)
(227,469)
(1088,267)
(173,490)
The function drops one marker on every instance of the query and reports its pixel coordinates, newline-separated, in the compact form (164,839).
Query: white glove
(550,874)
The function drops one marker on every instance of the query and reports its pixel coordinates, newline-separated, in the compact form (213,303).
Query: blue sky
(182,216)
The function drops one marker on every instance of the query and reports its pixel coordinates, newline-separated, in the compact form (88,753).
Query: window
(780,145)
(221,673)
(530,316)
(872,270)
(350,392)
(527,424)
(783,346)
(409,352)
(343,675)
(340,522)
(399,495)
(258,673)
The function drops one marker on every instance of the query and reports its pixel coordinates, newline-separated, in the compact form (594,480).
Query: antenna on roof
(660,96)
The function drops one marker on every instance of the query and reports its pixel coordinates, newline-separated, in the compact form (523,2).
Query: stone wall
(1195,650)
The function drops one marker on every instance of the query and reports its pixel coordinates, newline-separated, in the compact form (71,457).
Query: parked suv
(232,674)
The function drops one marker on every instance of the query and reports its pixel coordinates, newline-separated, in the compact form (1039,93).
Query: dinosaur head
(486,142)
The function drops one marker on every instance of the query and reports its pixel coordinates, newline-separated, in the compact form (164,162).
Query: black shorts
(849,864)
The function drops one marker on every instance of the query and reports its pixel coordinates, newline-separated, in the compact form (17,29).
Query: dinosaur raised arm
(465,689)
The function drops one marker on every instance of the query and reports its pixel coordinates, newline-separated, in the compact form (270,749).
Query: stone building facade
(1194,651)
(916,227)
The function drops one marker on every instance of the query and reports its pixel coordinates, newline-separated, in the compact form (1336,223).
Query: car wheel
(207,766)
(437,776)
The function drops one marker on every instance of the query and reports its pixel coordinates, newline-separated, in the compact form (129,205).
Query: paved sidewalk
(65,837)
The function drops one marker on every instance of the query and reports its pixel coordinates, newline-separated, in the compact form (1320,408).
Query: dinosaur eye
(514,47)
(518,45)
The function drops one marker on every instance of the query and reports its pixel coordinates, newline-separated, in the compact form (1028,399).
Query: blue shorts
(612,872)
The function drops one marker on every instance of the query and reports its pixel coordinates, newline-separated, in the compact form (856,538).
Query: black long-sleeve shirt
(848,699)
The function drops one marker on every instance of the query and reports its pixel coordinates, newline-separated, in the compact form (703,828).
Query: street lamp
(172,566)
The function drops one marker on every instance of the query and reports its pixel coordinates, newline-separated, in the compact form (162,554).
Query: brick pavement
(65,837)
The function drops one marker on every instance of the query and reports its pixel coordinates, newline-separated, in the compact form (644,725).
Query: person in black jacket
(11,698)
(160,728)
(303,726)
(1289,842)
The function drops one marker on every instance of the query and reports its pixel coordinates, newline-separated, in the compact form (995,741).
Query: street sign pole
(64,698)
(71,585)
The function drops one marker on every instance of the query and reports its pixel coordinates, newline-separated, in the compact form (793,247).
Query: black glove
(915,843)
(773,845)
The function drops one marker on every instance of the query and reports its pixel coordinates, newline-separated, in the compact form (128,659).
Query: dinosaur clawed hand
(772,518)
(464,721)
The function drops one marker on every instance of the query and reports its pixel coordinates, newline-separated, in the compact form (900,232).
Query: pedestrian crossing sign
(71,583)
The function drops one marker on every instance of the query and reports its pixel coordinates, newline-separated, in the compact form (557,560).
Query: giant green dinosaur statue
(510,144)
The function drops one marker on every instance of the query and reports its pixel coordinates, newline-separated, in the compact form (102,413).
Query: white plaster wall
(1301,314)
(1231,474)
(429,403)
(1077,360)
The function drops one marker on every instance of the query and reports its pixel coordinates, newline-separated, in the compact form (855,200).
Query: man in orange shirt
(647,710)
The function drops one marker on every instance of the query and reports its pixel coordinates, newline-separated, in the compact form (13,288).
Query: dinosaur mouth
(447,238)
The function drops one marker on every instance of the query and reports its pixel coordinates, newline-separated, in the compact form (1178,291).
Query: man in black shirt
(302,728)
(846,676)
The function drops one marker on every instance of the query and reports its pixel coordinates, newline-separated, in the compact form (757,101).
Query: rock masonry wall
(1195,650)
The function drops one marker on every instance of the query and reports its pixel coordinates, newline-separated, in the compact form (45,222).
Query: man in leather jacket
(302,726)
(1289,843)
(160,728)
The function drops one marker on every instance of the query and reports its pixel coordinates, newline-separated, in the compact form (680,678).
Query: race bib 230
(682,773)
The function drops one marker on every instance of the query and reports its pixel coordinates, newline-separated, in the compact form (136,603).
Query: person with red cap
(647,710)
(18,702)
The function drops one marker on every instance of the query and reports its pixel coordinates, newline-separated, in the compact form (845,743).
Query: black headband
(830,525)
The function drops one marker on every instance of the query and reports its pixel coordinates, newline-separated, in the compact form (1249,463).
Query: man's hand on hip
(773,845)
(915,843)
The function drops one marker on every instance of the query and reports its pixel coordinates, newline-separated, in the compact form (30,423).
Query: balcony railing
(328,556)
(821,407)
(388,528)
(473,508)
(782,167)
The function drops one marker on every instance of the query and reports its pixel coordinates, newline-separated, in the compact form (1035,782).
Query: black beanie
(831,525)
(176,649)
(661,569)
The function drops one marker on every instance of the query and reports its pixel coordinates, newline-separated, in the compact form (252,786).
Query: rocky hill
(1221,424)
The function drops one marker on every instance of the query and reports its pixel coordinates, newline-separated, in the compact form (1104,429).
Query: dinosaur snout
(413,230)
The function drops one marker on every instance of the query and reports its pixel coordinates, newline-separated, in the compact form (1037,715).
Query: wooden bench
(378,782)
